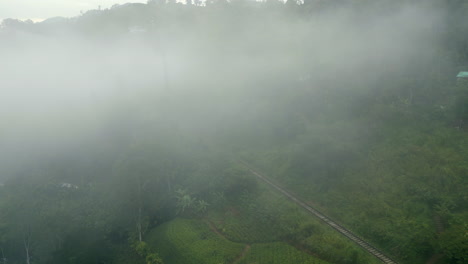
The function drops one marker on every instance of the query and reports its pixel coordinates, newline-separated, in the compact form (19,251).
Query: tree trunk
(4,260)
(139,220)
(27,244)
(26,248)
(168,180)
(139,226)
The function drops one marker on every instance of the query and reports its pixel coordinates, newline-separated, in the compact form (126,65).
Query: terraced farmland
(243,228)
(278,253)
(184,241)
(188,241)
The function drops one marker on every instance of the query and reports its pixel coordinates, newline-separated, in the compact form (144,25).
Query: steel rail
(344,231)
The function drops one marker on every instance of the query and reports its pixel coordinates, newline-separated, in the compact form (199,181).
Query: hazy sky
(41,9)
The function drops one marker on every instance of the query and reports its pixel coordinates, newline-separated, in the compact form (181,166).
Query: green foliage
(144,251)
(153,258)
(183,241)
(124,254)
(141,248)
(236,183)
(278,253)
(242,227)
(401,180)
(453,242)
(201,206)
(269,217)
(83,247)
(185,202)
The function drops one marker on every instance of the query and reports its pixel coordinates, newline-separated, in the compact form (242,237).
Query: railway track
(363,244)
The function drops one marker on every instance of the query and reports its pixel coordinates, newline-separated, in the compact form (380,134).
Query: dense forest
(122,129)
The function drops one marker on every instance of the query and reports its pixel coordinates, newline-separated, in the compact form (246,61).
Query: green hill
(189,241)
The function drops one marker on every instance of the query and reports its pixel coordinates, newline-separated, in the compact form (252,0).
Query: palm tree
(201,206)
(184,200)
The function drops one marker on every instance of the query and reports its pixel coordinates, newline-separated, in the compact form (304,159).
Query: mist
(263,81)
(59,92)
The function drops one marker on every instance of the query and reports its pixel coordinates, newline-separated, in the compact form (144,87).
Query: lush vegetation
(277,253)
(263,215)
(192,241)
(189,241)
(352,105)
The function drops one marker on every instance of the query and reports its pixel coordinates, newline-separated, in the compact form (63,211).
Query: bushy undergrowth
(278,253)
(390,191)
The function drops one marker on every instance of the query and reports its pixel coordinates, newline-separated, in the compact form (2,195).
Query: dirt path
(242,255)
(214,229)
(345,232)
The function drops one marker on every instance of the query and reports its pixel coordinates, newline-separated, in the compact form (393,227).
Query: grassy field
(185,241)
(241,227)
(189,241)
(278,253)
(124,254)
